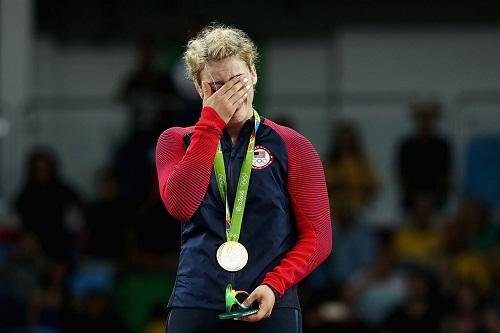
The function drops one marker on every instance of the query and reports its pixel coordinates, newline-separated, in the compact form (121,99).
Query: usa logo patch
(262,157)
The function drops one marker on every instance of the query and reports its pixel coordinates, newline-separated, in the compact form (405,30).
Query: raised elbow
(175,206)
(178,211)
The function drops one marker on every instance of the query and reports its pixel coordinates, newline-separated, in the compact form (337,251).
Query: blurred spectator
(474,222)
(378,289)
(424,161)
(335,316)
(150,93)
(350,178)
(481,171)
(133,163)
(8,237)
(157,235)
(137,293)
(422,310)
(355,249)
(46,203)
(152,98)
(419,241)
(491,319)
(158,321)
(96,316)
(355,245)
(467,260)
(20,276)
(465,315)
(108,221)
(494,264)
(92,276)
(473,267)
(48,301)
(24,266)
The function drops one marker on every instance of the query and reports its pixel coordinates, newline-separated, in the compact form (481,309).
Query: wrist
(210,116)
(275,292)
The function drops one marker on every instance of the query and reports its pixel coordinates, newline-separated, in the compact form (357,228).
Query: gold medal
(232,256)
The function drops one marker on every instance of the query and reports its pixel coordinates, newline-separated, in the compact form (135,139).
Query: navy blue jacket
(270,229)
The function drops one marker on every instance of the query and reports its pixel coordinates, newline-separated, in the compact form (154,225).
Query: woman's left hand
(264,296)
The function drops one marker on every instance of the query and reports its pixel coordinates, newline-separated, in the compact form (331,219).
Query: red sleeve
(183,175)
(309,198)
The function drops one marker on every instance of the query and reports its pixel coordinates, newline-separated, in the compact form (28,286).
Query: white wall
(16,39)
(297,83)
(80,70)
(447,60)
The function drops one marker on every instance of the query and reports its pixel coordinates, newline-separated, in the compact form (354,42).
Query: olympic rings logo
(262,158)
(260,161)
(244,179)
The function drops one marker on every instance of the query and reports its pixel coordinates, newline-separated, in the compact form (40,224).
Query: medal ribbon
(234,220)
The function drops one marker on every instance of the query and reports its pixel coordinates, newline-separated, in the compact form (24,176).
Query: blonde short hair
(216,42)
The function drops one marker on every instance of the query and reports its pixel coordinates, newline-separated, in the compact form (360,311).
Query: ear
(253,74)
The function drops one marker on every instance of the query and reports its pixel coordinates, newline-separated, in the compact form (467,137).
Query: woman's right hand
(226,100)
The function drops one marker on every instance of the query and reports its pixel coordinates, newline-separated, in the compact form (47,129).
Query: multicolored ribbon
(234,221)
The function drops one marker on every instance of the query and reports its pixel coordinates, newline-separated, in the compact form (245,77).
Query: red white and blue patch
(262,157)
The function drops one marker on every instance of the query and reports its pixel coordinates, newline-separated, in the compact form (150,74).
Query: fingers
(240,87)
(265,299)
(207,91)
(265,311)
(228,98)
(250,299)
(230,91)
(230,84)
(238,97)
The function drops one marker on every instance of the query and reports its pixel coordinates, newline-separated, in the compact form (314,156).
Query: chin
(236,120)
(240,116)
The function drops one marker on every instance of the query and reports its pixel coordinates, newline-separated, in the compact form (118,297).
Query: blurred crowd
(109,265)
(435,270)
